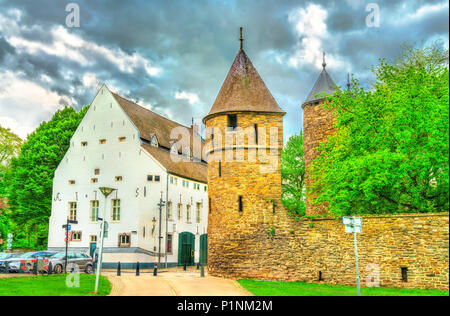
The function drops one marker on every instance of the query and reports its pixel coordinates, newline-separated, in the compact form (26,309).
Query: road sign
(352,224)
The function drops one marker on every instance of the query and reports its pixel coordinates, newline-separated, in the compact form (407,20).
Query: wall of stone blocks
(300,250)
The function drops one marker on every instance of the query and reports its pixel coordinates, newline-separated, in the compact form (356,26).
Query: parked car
(29,259)
(83,261)
(4,257)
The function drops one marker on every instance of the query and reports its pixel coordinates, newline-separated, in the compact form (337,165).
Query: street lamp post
(105,191)
(160,204)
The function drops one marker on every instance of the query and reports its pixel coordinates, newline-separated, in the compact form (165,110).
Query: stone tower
(244,139)
(317,126)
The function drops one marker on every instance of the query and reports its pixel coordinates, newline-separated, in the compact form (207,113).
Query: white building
(122,145)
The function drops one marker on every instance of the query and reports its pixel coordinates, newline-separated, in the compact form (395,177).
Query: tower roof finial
(348,81)
(241,39)
(324,64)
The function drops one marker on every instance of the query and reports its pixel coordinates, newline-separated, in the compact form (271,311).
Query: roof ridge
(118,95)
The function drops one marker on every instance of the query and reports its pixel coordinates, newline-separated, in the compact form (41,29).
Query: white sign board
(352,224)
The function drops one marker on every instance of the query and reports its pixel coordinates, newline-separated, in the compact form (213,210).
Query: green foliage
(293,175)
(390,153)
(29,183)
(272,231)
(269,288)
(9,147)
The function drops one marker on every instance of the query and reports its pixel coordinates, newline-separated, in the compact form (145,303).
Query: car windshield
(27,255)
(58,255)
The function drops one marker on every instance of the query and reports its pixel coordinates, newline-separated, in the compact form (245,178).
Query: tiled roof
(192,170)
(150,123)
(243,90)
(324,84)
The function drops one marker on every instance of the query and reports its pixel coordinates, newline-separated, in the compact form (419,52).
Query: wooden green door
(186,248)
(204,249)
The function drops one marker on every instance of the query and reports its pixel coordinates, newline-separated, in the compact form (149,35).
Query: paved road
(173,283)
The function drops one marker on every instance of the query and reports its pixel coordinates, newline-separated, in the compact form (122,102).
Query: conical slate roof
(243,90)
(323,84)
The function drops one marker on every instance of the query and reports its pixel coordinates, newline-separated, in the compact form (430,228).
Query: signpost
(353,225)
(68,228)
(9,242)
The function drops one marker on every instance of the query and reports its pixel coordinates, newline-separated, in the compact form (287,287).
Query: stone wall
(284,249)
(317,126)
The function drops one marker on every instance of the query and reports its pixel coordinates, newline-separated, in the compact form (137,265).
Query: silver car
(81,260)
(25,260)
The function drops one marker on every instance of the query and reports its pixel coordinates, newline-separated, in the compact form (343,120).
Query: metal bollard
(184,266)
(118,269)
(137,269)
(35,267)
(202,271)
(6,267)
(155,270)
(198,266)
(50,268)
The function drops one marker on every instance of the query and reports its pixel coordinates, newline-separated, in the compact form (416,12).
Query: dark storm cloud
(193,43)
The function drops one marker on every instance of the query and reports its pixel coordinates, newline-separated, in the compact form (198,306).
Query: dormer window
(84,144)
(102,141)
(122,139)
(154,140)
(174,149)
(71,182)
(118,178)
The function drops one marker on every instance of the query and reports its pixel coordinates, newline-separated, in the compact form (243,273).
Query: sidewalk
(172,282)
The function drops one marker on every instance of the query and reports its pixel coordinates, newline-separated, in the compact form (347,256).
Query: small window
(73,211)
(76,235)
(220,168)
(157,178)
(149,177)
(71,182)
(169,211)
(94,180)
(93,239)
(205,188)
(96,172)
(169,243)
(118,178)
(84,144)
(188,213)
(154,140)
(199,213)
(102,141)
(122,139)
(94,211)
(124,240)
(241,206)
(256,133)
(209,205)
(180,211)
(232,120)
(115,216)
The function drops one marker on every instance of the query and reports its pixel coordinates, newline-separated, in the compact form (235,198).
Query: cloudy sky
(172,56)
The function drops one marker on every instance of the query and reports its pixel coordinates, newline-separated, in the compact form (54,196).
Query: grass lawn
(53,285)
(268,288)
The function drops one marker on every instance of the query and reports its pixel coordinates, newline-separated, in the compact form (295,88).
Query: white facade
(106,151)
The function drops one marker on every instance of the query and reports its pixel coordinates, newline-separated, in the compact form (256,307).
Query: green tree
(293,175)
(390,153)
(9,147)
(30,179)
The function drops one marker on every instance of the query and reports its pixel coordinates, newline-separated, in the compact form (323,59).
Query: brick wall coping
(444,214)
